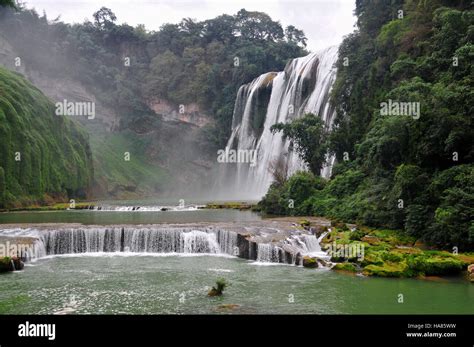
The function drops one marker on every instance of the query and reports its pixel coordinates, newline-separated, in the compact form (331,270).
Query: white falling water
(307,245)
(117,239)
(302,88)
(268,253)
(312,243)
(197,241)
(313,247)
(165,240)
(118,208)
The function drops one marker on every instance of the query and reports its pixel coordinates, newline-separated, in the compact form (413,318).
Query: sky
(324,22)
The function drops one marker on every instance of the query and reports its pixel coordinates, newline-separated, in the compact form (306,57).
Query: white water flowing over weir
(268,253)
(272,98)
(166,240)
(136,240)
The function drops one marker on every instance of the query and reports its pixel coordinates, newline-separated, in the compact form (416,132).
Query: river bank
(90,205)
(390,253)
(60,206)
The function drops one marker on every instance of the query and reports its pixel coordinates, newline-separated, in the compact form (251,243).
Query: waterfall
(303,87)
(313,247)
(227,241)
(311,243)
(118,208)
(307,245)
(128,239)
(268,253)
(160,239)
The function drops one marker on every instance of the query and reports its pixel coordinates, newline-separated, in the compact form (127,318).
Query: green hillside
(43,156)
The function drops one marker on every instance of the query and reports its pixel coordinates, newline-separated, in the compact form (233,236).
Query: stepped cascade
(159,239)
(303,87)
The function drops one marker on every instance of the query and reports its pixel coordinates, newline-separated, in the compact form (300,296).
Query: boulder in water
(11,264)
(310,262)
(5,264)
(18,263)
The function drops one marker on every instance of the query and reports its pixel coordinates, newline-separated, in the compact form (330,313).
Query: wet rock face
(253,250)
(243,245)
(18,263)
(189,113)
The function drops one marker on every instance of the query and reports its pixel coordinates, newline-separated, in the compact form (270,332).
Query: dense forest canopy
(192,61)
(399,171)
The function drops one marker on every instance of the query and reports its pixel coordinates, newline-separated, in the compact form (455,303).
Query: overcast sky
(324,22)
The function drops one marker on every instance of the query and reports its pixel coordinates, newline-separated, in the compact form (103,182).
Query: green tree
(104,18)
(9,3)
(309,135)
(295,35)
(258,25)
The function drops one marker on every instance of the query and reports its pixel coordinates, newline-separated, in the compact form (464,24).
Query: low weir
(256,244)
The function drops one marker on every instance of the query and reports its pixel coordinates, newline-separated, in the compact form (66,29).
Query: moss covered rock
(371,240)
(435,265)
(372,258)
(11,264)
(346,267)
(387,269)
(5,264)
(310,262)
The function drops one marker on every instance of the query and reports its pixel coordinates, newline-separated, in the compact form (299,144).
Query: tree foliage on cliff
(203,62)
(42,155)
(397,171)
(308,137)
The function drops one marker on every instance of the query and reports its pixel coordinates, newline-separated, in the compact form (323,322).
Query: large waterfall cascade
(303,87)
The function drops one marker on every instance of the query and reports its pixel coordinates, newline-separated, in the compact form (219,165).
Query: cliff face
(190,113)
(44,156)
(57,88)
(166,147)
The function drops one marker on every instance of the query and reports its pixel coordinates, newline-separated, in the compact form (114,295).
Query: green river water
(178,284)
